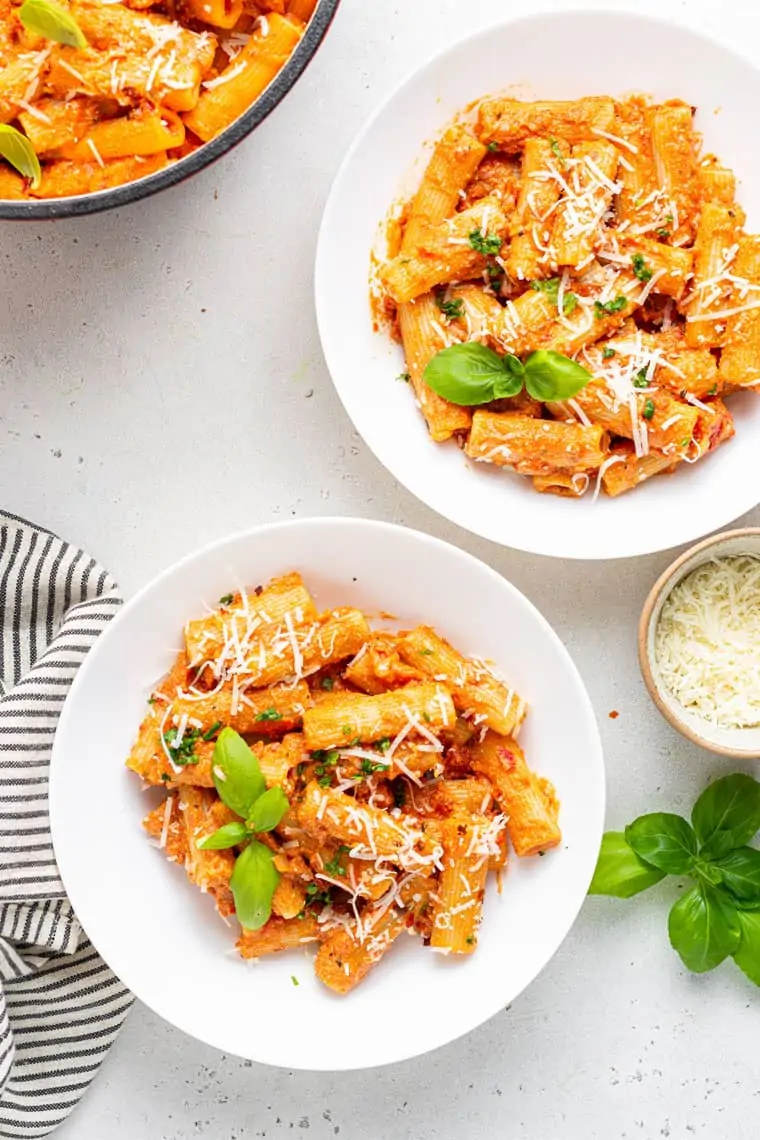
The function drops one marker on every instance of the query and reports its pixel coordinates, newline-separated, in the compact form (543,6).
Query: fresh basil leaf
(236,772)
(19,152)
(740,872)
(727,815)
(47,19)
(253,882)
(268,810)
(552,376)
(704,928)
(706,872)
(470,374)
(619,870)
(747,956)
(746,904)
(228,836)
(666,841)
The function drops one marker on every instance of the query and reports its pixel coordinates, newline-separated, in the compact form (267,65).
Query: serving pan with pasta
(564,277)
(331,784)
(361,788)
(95,94)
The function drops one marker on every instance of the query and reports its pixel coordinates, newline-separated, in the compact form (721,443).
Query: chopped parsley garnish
(426,717)
(404,376)
(210,733)
(663,233)
(165,776)
(492,146)
(334,866)
(551,288)
(495,273)
(640,267)
(485,243)
(648,410)
(346,730)
(608,353)
(184,753)
(450,309)
(369,767)
(294,980)
(152,700)
(604,309)
(470,939)
(713,391)
(226,600)
(383,744)
(329,756)
(269,714)
(327,683)
(554,144)
(426,652)
(399,794)
(324,781)
(315,896)
(640,379)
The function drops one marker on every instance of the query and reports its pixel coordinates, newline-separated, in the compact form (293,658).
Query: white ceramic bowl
(558,56)
(163,938)
(734,743)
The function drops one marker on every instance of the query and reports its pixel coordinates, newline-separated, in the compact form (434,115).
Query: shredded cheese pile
(708,642)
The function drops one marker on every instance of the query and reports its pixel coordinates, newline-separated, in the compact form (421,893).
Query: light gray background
(161,384)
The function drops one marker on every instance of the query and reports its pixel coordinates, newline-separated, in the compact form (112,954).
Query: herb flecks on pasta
(101,92)
(575,291)
(332,784)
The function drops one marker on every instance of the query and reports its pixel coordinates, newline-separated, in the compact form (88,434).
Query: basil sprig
(19,152)
(241,786)
(47,19)
(719,917)
(471,374)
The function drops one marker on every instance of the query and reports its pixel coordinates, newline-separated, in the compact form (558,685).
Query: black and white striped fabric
(60,1005)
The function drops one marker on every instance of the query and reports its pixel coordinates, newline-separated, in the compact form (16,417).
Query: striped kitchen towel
(60,1005)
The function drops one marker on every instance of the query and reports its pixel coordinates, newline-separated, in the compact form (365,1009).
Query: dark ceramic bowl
(204,156)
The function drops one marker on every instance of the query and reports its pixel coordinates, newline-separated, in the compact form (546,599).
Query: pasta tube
(422,709)
(474,688)
(740,360)
(529,802)
(510,123)
(535,447)
(245,77)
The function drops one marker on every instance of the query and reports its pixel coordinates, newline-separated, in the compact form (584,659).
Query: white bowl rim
(596,754)
(545,12)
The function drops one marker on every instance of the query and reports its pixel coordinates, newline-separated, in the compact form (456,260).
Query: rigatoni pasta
(589,236)
(385,772)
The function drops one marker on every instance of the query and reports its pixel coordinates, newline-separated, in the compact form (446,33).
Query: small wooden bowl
(735,743)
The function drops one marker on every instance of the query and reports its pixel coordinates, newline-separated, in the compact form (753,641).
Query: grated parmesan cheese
(707,642)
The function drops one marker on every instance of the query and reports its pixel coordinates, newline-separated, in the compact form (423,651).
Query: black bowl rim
(47,208)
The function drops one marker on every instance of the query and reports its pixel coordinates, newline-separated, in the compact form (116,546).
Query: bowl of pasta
(103,102)
(345,772)
(538,285)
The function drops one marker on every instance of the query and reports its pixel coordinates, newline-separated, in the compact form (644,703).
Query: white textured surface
(139,425)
